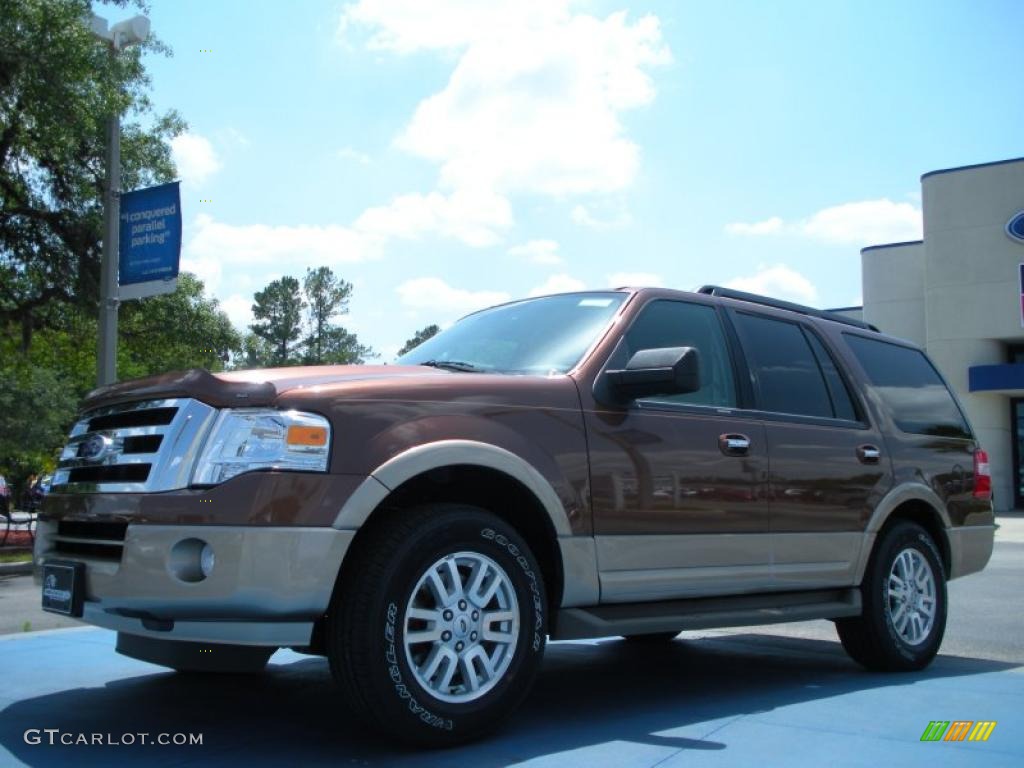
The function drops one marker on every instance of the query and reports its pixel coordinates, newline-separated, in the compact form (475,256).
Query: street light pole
(118,37)
(106,372)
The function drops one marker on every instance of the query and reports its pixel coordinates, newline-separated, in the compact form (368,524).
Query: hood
(260,387)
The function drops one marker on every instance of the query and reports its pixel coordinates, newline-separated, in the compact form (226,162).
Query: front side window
(787,375)
(911,388)
(666,323)
(547,335)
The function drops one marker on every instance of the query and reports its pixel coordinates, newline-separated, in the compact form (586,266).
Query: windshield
(545,335)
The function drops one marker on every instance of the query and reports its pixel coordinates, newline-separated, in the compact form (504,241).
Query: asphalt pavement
(782,695)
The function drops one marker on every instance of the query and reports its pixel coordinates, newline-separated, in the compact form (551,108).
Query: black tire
(366,624)
(655,638)
(873,639)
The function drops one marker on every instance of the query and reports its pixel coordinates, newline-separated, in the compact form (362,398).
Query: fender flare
(444,453)
(883,511)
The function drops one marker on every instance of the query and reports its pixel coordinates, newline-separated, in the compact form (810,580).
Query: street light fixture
(126,33)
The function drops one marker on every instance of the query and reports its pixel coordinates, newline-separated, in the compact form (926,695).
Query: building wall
(893,282)
(957,292)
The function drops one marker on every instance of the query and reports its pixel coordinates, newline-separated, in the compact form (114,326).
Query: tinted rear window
(787,375)
(911,387)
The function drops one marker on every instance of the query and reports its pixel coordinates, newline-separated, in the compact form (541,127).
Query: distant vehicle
(626,462)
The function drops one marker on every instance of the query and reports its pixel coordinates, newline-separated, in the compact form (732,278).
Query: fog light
(207,560)
(188,560)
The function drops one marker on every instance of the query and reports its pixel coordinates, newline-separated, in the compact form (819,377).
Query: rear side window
(787,374)
(911,388)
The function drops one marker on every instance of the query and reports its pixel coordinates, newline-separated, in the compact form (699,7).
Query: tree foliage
(278,312)
(184,329)
(326,297)
(40,387)
(58,85)
(418,338)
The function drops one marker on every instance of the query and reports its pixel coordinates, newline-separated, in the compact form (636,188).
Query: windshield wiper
(452,365)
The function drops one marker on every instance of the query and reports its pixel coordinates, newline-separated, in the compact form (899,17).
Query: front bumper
(267,588)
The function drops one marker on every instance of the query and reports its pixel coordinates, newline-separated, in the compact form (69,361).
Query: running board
(704,613)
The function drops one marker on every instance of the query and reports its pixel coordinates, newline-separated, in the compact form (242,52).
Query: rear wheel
(438,626)
(904,598)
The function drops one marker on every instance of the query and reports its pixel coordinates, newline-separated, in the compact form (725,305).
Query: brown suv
(627,462)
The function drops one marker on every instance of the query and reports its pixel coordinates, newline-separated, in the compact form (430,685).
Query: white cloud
(435,294)
(238,309)
(194,157)
(867,222)
(561,283)
(216,249)
(537,251)
(637,279)
(532,106)
(206,269)
(472,218)
(350,153)
(778,281)
(771,226)
(583,216)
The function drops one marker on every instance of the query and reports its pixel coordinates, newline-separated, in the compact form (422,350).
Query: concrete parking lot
(783,695)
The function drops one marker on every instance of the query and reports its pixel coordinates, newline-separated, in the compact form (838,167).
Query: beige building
(959,293)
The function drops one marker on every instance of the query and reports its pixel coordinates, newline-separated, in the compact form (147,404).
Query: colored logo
(1015,227)
(958,730)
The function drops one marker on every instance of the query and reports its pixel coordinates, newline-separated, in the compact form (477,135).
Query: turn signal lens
(982,476)
(306,436)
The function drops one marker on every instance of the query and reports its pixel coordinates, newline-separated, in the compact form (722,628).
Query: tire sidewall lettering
(516,554)
(395,673)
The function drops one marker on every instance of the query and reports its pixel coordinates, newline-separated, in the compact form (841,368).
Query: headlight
(244,439)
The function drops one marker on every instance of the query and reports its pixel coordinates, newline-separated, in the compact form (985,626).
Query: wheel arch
(916,503)
(490,477)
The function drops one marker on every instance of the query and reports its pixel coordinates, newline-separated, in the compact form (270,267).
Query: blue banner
(150,234)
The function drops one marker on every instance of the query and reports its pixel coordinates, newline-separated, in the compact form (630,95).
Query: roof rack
(753,298)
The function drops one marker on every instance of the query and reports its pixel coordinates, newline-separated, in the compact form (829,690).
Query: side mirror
(665,371)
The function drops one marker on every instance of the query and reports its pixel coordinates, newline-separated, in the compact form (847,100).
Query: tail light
(982,476)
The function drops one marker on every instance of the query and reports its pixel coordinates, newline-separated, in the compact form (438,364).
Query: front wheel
(438,626)
(904,596)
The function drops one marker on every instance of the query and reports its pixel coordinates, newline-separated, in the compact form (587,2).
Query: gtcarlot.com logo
(55,736)
(958,730)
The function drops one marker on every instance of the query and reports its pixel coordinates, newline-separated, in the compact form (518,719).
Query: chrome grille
(133,447)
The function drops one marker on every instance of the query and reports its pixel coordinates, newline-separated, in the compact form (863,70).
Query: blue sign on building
(150,241)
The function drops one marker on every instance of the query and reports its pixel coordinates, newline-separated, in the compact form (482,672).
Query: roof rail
(753,298)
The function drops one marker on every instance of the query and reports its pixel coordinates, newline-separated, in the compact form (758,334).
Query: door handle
(734,444)
(868,454)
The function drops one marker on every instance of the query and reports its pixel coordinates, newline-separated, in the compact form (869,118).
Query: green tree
(418,338)
(184,329)
(256,353)
(327,296)
(58,84)
(278,312)
(343,348)
(37,405)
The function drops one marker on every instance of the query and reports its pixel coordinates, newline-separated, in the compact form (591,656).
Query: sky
(447,155)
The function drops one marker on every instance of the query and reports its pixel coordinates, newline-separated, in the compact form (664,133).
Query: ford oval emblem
(1015,227)
(93,447)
